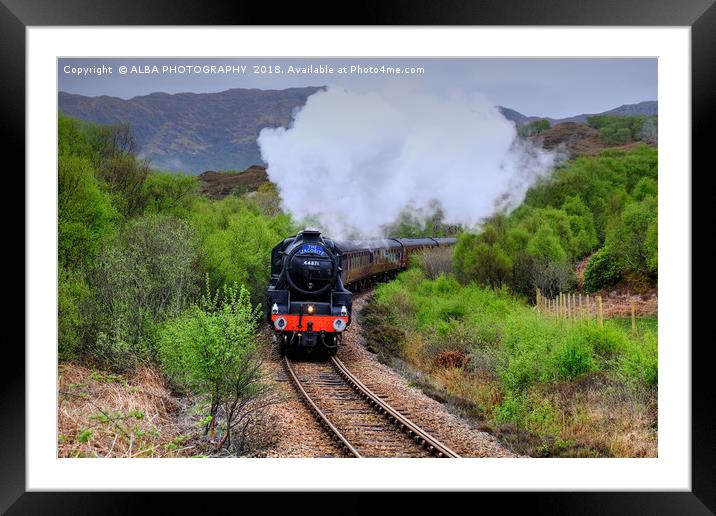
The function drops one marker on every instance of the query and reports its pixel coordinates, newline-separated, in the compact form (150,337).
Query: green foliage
(73,306)
(605,201)
(631,240)
(574,358)
(529,372)
(150,270)
(86,216)
(603,270)
(620,130)
(533,128)
(210,349)
(237,241)
(170,193)
(529,349)
(84,435)
(640,363)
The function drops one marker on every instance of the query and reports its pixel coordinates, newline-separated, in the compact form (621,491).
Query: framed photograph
(255,251)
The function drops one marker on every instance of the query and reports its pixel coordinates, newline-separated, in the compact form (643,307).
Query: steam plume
(353,161)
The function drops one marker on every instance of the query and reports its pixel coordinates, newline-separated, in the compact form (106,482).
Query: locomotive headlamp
(274,309)
(344,311)
(339,325)
(279,323)
(310,309)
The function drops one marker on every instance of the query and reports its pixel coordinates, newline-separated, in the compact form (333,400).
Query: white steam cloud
(352,162)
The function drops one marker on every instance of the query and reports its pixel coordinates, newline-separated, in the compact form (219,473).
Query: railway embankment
(545,386)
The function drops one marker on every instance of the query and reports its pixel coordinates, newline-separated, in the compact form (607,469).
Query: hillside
(648,108)
(193,132)
(217,185)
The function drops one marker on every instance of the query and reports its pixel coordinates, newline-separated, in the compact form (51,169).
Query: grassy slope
(549,387)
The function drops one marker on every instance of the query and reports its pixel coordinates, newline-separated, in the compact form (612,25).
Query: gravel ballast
(299,435)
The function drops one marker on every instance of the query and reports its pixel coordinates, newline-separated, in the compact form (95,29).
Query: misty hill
(648,108)
(194,131)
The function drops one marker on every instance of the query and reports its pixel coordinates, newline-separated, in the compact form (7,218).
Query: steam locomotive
(309,298)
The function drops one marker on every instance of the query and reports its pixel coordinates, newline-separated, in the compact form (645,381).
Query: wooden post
(581,307)
(558,305)
(538,299)
(633,317)
(600,313)
(589,312)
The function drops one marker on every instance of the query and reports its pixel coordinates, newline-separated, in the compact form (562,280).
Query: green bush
(605,341)
(170,193)
(151,270)
(574,358)
(237,241)
(603,270)
(73,298)
(86,216)
(210,349)
(533,128)
(640,362)
(631,240)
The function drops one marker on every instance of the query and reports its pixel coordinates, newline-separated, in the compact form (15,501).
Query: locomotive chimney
(310,235)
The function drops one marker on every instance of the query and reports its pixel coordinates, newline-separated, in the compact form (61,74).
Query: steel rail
(419,435)
(322,418)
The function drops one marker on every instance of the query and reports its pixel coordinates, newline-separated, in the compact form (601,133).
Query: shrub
(73,296)
(630,239)
(434,262)
(152,269)
(85,213)
(552,277)
(237,242)
(641,362)
(603,270)
(606,341)
(211,350)
(482,262)
(169,193)
(574,358)
(533,128)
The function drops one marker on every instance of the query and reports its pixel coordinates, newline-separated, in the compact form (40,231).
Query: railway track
(362,423)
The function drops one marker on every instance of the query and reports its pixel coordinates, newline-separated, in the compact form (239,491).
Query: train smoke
(351,162)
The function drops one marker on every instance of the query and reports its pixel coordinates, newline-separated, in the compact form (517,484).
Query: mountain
(193,132)
(648,108)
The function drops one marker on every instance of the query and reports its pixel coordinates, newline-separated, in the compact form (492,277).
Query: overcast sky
(539,86)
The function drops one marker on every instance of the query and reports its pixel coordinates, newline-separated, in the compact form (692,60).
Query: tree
(533,128)
(85,214)
(150,270)
(628,240)
(169,193)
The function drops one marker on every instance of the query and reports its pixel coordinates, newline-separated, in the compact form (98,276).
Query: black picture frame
(17,15)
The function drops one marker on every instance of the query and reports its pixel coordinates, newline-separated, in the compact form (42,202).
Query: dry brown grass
(591,417)
(106,415)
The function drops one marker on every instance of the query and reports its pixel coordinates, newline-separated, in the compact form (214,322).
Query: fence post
(633,318)
(600,313)
(538,299)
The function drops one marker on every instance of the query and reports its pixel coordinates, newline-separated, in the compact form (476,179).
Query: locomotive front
(307,304)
